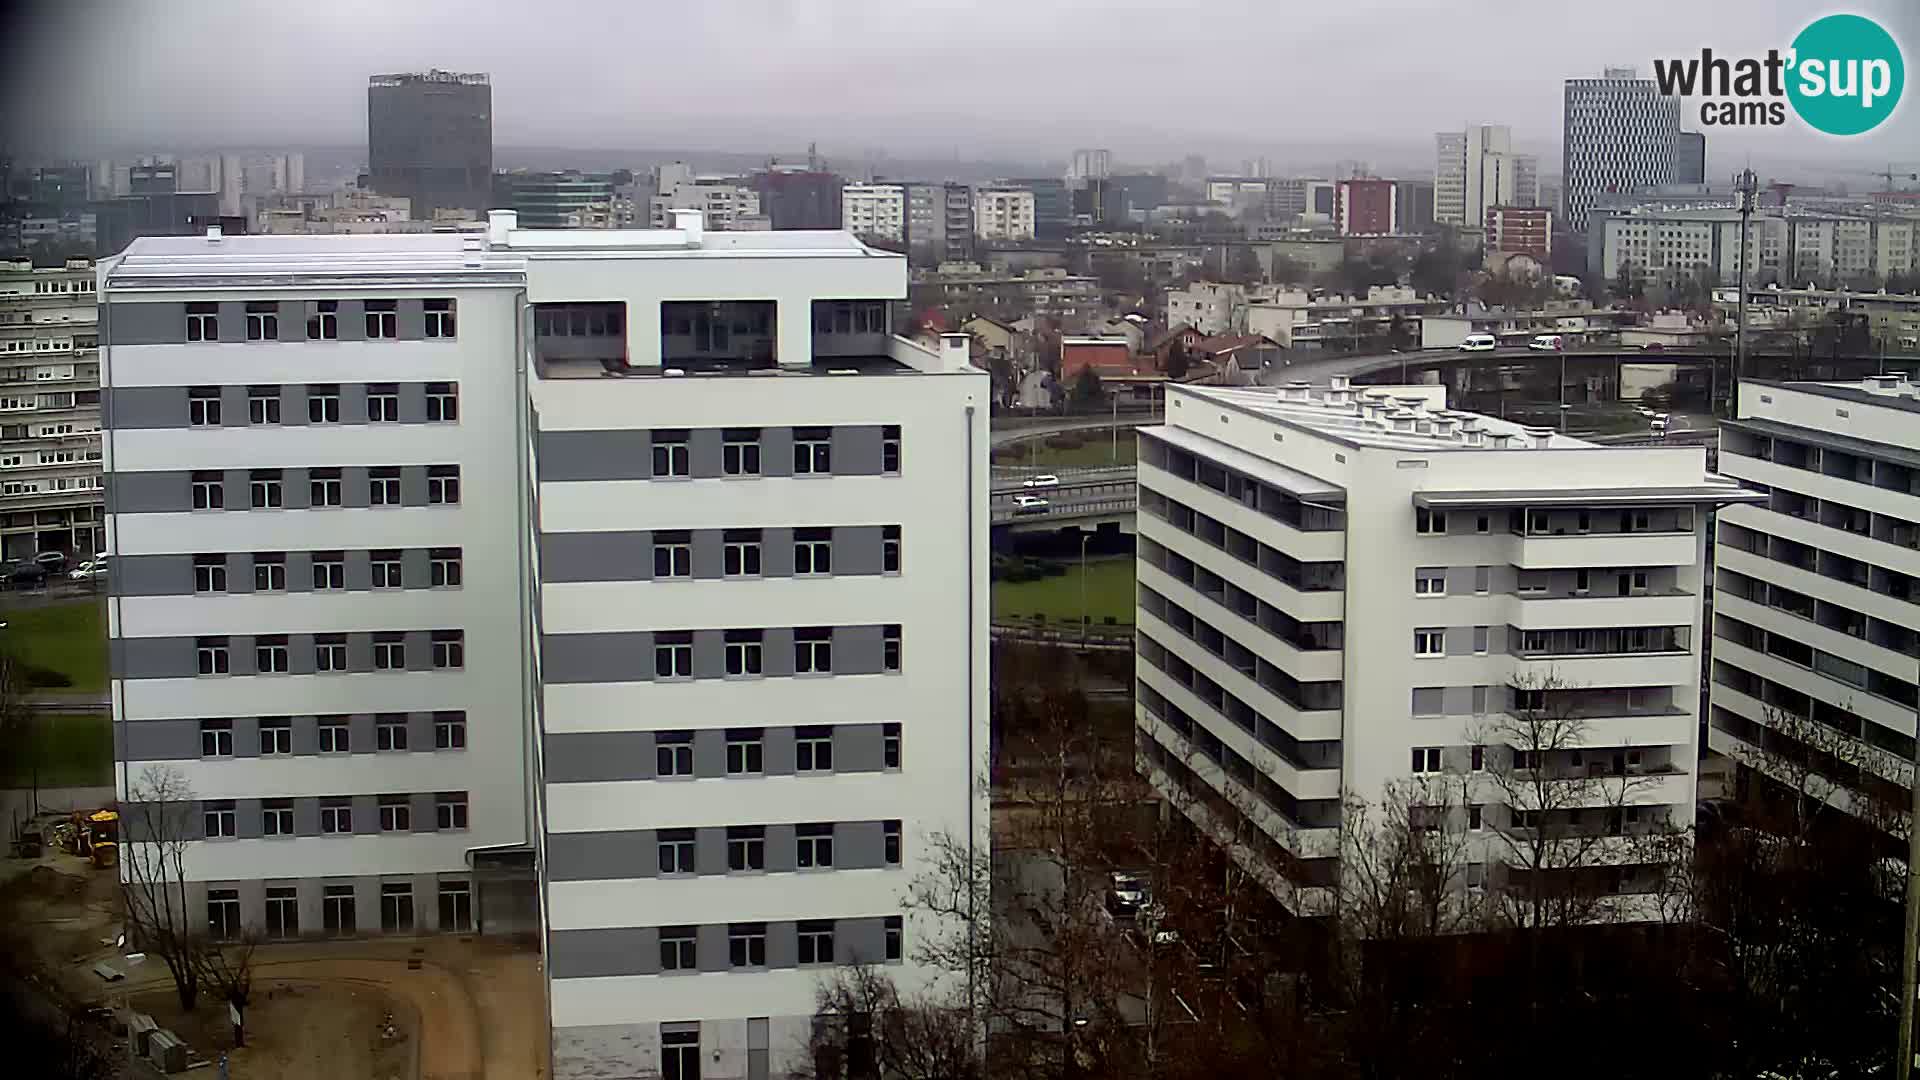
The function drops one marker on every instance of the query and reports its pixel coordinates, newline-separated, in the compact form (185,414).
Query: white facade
(1815,610)
(1621,134)
(1288,660)
(1476,169)
(722,614)
(49,411)
(878,210)
(1003,214)
(1791,250)
(727,204)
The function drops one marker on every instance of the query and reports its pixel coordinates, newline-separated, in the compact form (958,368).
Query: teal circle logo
(1847,75)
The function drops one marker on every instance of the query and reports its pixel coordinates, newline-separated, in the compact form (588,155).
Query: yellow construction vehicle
(97,836)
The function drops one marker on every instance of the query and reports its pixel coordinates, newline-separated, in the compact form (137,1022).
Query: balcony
(1605,609)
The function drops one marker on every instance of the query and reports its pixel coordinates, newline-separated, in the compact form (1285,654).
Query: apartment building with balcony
(1341,588)
(1817,594)
(664,571)
(49,411)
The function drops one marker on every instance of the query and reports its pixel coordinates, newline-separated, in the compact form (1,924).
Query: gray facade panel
(776,552)
(858,748)
(239,494)
(709,554)
(856,549)
(859,845)
(776,751)
(420,731)
(776,651)
(416,568)
(581,658)
(783,945)
(412,324)
(595,455)
(353,403)
(585,954)
(859,941)
(163,657)
(246,736)
(776,451)
(598,756)
(355,489)
(357,573)
(857,650)
(359,652)
(423,811)
(246,818)
(413,485)
(146,324)
(159,492)
(141,820)
(293,404)
(306,729)
(413,402)
(233,406)
(239,572)
(596,556)
(709,750)
(602,856)
(712,947)
(233,320)
(856,450)
(300,658)
(306,816)
(127,408)
(703,453)
(360,733)
(353,320)
(419,646)
(780,849)
(709,654)
(366,820)
(158,740)
(152,575)
(710,850)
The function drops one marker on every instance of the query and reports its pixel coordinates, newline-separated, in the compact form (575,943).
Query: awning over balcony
(1714,493)
(1291,481)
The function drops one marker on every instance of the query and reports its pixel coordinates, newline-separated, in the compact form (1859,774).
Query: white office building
(876,210)
(1817,597)
(1477,169)
(651,558)
(1621,135)
(1003,214)
(1344,587)
(49,411)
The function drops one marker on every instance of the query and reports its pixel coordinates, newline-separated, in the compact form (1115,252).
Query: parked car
(1653,346)
(1126,894)
(51,561)
(87,571)
(1548,343)
(1043,480)
(1029,504)
(26,575)
(1479,343)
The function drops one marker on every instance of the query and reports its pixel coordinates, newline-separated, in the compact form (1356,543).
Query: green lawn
(1109,593)
(73,751)
(1096,451)
(69,637)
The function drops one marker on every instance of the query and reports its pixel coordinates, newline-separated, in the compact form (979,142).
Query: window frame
(814,745)
(670,454)
(746,752)
(216,738)
(741,453)
(813,650)
(383,403)
(443,485)
(813,846)
(1429,642)
(449,650)
(443,403)
(685,853)
(673,755)
(395,814)
(672,655)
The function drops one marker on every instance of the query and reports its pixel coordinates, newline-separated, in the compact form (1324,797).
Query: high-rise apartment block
(1786,248)
(50,487)
(1347,587)
(1478,168)
(1003,214)
(430,139)
(726,202)
(647,566)
(876,210)
(1621,134)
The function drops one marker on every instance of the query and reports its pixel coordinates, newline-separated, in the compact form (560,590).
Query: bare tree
(1405,861)
(157,820)
(227,971)
(865,1027)
(17,722)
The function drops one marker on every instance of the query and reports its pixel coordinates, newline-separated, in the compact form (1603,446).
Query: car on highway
(1479,343)
(1548,343)
(1043,480)
(1029,504)
(1653,346)
(87,571)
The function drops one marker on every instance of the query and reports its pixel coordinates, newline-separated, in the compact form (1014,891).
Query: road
(1005,436)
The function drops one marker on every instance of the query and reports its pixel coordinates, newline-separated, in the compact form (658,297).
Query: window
(1473,818)
(383,486)
(816,941)
(336,816)
(1637,582)
(1635,521)
(1426,759)
(743,653)
(1585,522)
(263,404)
(439,314)
(1582,582)
(263,489)
(815,846)
(276,735)
(676,851)
(673,654)
(680,1054)
(387,569)
(1480,700)
(741,556)
(216,738)
(813,749)
(335,737)
(209,573)
(812,451)
(450,810)
(383,319)
(890,746)
(263,322)
(336,909)
(449,649)
(269,571)
(745,748)
(396,814)
(1429,522)
(1429,642)
(324,487)
(211,653)
(324,323)
(390,731)
(890,449)
(1524,760)
(1482,579)
(1429,582)
(895,937)
(396,905)
(443,403)
(203,322)
(1428,700)
(203,406)
(890,549)
(1480,640)
(456,906)
(813,650)
(223,911)
(672,554)
(329,570)
(1483,524)
(217,819)
(670,453)
(276,817)
(890,647)
(383,403)
(746,847)
(208,491)
(890,846)
(812,551)
(740,452)
(389,652)
(747,945)
(443,485)
(443,568)
(673,754)
(323,403)
(1479,759)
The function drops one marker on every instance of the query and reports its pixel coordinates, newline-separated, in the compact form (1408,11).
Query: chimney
(1413,403)
(691,222)
(1402,421)
(1500,440)
(956,352)
(213,234)
(1473,435)
(1341,382)
(499,224)
(1878,384)
(1443,426)
(1539,436)
(1296,391)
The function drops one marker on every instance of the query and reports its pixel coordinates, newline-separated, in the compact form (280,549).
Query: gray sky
(1371,79)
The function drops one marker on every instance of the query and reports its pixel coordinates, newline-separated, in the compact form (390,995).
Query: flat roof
(1852,391)
(1342,423)
(1291,481)
(1706,492)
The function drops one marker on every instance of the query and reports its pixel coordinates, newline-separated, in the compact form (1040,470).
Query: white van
(1548,343)
(1479,343)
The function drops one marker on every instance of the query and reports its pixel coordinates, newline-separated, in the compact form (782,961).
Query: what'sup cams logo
(1843,75)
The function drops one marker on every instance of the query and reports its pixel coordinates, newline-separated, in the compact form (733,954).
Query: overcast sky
(1031,79)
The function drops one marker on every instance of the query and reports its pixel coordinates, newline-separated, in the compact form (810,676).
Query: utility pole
(1747,185)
